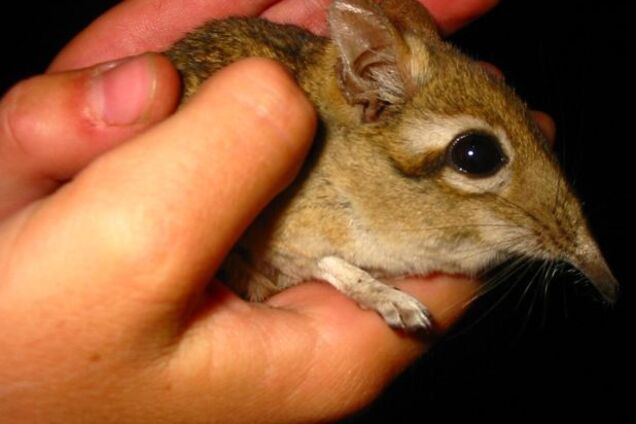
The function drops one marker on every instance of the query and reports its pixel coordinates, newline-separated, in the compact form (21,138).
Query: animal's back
(220,43)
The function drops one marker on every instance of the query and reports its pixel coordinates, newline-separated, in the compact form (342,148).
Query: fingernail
(122,91)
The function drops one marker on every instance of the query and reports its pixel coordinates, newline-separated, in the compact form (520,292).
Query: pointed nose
(590,261)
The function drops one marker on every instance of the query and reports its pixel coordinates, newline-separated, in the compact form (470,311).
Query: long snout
(590,261)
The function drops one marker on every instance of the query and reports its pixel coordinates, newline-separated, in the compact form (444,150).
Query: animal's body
(424,162)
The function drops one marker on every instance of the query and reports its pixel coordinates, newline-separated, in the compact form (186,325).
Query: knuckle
(15,126)
(281,114)
(140,241)
(275,101)
(136,236)
(35,112)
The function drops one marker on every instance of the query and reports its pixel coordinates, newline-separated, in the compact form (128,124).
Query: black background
(563,358)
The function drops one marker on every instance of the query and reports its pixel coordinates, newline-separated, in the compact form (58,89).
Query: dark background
(565,357)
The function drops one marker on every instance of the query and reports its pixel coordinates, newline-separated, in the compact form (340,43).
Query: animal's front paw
(400,310)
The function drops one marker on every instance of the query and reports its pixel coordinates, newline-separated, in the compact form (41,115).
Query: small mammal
(423,163)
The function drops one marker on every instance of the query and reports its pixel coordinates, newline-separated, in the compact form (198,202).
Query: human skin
(115,213)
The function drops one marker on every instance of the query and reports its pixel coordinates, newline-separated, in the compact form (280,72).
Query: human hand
(107,310)
(116,319)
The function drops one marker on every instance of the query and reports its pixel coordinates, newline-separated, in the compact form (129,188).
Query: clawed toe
(402,311)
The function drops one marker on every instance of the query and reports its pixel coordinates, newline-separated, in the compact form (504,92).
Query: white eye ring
(428,133)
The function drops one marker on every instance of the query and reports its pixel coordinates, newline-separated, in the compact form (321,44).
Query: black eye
(476,154)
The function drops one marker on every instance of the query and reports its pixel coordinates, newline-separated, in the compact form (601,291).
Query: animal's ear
(375,63)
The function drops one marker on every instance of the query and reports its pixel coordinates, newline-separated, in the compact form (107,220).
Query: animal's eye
(476,154)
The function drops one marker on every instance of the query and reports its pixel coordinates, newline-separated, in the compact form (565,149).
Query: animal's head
(461,159)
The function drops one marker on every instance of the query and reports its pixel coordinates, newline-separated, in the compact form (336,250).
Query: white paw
(401,310)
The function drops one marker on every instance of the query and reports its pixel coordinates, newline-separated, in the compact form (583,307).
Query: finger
(153,218)
(546,124)
(454,14)
(361,343)
(309,14)
(492,69)
(136,26)
(154,25)
(334,357)
(52,126)
(449,14)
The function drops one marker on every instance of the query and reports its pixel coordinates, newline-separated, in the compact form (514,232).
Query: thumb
(158,214)
(53,125)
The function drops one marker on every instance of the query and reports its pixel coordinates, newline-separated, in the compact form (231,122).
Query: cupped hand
(106,302)
(116,214)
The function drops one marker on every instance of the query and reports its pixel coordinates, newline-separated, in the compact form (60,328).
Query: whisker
(528,286)
(533,283)
(487,288)
(500,300)
(551,273)
(495,280)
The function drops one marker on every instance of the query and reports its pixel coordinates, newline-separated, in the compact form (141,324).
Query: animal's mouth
(435,275)
(529,271)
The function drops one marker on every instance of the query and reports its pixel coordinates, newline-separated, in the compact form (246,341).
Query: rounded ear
(374,63)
